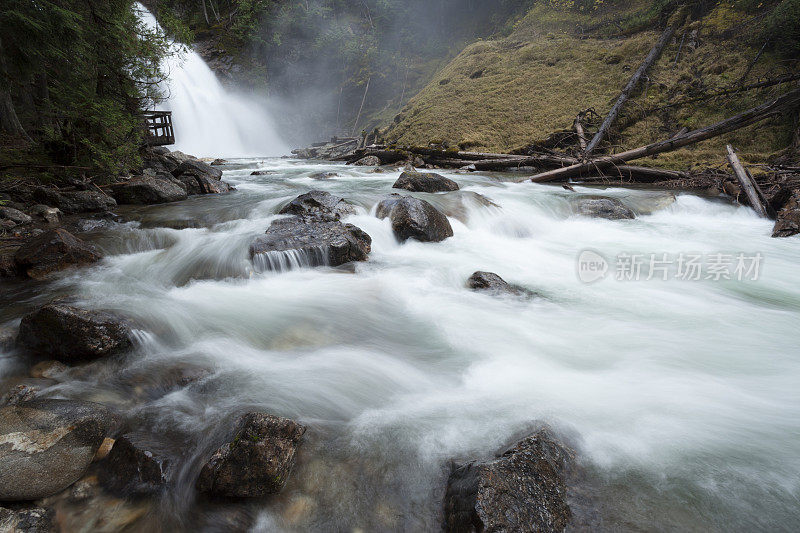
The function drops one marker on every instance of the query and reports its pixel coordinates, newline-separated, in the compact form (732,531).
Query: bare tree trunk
(205,12)
(746,181)
(355,125)
(752,64)
(580,132)
(651,58)
(785,102)
(9,121)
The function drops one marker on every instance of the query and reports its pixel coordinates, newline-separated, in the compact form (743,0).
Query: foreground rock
(47,445)
(788,220)
(413,218)
(608,208)
(13,217)
(522,490)
(318,204)
(70,334)
(75,201)
(414,181)
(27,519)
(51,215)
(53,251)
(368,161)
(310,242)
(149,190)
(200,178)
(132,470)
(492,283)
(257,461)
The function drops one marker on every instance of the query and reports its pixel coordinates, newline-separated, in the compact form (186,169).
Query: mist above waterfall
(209,119)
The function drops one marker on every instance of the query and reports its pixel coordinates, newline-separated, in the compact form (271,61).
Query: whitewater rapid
(680,397)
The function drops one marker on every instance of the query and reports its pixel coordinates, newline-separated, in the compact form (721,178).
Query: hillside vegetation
(508,93)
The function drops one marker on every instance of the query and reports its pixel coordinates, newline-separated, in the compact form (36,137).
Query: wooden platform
(159,128)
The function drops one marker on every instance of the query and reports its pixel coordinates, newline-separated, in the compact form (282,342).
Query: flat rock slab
(413,218)
(414,181)
(318,204)
(608,208)
(296,242)
(75,201)
(71,334)
(257,461)
(53,251)
(522,490)
(146,190)
(47,445)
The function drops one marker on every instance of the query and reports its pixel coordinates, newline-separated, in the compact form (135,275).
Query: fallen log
(751,116)
(580,132)
(747,182)
(651,58)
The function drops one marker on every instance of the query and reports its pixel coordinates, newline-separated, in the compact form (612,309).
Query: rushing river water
(681,397)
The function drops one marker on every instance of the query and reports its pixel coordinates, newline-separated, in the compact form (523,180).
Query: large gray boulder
(71,334)
(413,218)
(414,181)
(200,178)
(608,208)
(75,201)
(318,204)
(47,445)
(256,462)
(312,242)
(53,251)
(149,190)
(523,490)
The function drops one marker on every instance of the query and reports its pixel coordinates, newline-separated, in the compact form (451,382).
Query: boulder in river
(413,218)
(492,283)
(788,220)
(414,181)
(51,215)
(53,251)
(257,461)
(47,445)
(28,519)
(262,172)
(368,161)
(75,201)
(318,203)
(323,175)
(71,334)
(200,178)
(146,190)
(524,489)
(310,242)
(608,208)
(130,469)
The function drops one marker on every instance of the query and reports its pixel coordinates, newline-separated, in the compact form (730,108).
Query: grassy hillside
(505,94)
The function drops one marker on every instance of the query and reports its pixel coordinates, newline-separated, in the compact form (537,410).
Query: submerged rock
(522,490)
(53,251)
(71,334)
(323,175)
(262,172)
(491,282)
(310,242)
(76,201)
(149,190)
(788,220)
(47,445)
(27,519)
(414,181)
(608,208)
(318,203)
(257,461)
(132,470)
(413,218)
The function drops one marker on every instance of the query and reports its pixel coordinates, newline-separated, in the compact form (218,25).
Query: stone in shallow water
(608,208)
(53,251)
(413,218)
(47,445)
(257,461)
(492,283)
(295,242)
(132,470)
(318,203)
(414,181)
(27,519)
(71,334)
(149,190)
(522,490)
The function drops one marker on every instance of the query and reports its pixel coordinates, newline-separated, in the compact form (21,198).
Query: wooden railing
(159,128)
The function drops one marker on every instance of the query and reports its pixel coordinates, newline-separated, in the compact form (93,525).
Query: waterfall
(210,120)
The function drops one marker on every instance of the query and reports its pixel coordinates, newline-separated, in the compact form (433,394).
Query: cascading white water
(209,120)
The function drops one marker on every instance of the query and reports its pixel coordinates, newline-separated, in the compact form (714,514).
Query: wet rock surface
(414,181)
(524,489)
(323,175)
(53,251)
(318,242)
(27,519)
(160,189)
(788,219)
(75,201)
(71,334)
(608,208)
(257,461)
(51,215)
(413,218)
(200,178)
(492,283)
(47,445)
(130,469)
(318,204)
(368,161)
(14,216)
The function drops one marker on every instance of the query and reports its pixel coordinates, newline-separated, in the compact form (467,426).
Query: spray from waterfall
(209,120)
